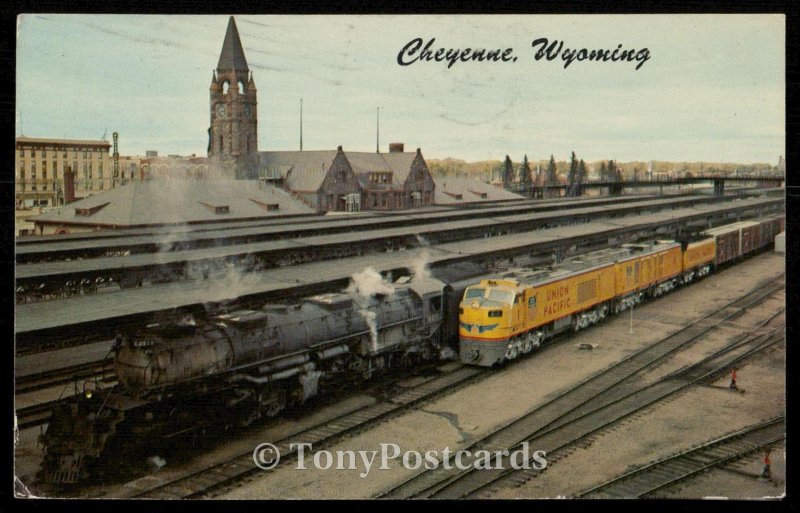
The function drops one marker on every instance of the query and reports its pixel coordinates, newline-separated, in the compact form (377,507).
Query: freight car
(244,365)
(739,239)
(513,313)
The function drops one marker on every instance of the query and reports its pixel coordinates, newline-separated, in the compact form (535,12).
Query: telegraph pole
(301,124)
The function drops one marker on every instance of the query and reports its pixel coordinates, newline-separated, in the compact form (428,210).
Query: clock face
(247,110)
(221,110)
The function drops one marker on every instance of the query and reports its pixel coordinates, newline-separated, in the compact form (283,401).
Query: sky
(713,88)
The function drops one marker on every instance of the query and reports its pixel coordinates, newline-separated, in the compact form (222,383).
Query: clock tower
(233,132)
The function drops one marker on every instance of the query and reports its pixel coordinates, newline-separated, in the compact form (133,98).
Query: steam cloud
(364,285)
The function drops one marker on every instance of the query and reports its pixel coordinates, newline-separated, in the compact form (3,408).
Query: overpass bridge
(616,186)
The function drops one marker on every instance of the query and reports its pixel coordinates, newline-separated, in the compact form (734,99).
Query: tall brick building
(332,180)
(233,134)
(39,166)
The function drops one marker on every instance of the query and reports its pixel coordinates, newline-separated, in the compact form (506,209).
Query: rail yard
(69,345)
(210,304)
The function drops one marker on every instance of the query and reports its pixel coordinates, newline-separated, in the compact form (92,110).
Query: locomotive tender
(513,313)
(177,377)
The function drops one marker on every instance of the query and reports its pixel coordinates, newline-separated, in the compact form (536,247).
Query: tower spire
(232,56)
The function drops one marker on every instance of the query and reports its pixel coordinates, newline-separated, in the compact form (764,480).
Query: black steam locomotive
(244,365)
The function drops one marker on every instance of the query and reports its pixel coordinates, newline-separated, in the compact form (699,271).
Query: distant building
(39,166)
(452,190)
(174,166)
(171,202)
(325,180)
(781,164)
(349,181)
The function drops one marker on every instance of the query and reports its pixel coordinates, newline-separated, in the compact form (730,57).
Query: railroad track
(646,480)
(205,481)
(564,418)
(91,370)
(200,482)
(558,441)
(38,414)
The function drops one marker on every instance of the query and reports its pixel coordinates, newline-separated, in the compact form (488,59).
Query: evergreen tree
(525,172)
(573,170)
(508,172)
(552,176)
(603,172)
(582,172)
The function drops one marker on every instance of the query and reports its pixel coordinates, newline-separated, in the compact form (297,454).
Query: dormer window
(380,177)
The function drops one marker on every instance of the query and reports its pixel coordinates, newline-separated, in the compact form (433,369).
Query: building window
(22,172)
(33,152)
(21,153)
(64,153)
(100,170)
(374,199)
(85,153)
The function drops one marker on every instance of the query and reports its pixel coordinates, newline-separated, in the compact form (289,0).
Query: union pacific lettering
(556,300)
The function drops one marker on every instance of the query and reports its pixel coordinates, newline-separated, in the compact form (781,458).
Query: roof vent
(87,211)
(217,209)
(482,195)
(454,195)
(266,206)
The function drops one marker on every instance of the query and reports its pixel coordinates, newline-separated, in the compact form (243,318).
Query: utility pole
(630,330)
(378,131)
(301,124)
(115,156)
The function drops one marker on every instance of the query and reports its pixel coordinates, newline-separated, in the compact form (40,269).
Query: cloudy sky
(712,90)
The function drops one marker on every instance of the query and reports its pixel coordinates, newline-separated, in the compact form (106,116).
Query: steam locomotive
(176,377)
(244,365)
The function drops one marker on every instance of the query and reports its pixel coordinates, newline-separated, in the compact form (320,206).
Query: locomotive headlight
(87,394)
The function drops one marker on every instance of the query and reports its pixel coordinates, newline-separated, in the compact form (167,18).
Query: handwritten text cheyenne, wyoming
(416,50)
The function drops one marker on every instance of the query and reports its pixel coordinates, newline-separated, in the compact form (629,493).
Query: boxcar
(770,228)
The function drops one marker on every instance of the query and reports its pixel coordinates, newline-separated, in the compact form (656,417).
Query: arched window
(225,86)
(241,87)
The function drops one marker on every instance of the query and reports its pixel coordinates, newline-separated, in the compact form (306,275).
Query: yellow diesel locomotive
(503,317)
